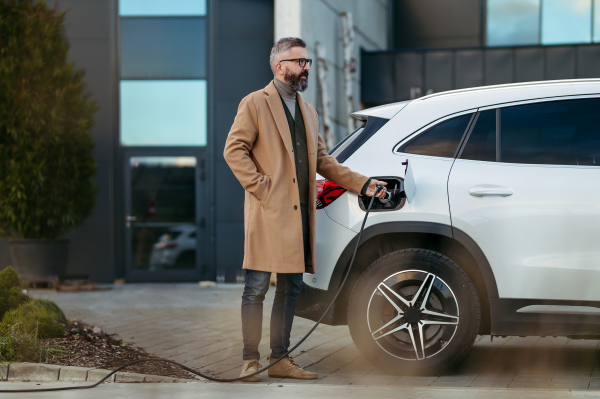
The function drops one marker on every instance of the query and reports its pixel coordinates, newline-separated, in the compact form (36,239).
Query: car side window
(558,133)
(481,143)
(441,140)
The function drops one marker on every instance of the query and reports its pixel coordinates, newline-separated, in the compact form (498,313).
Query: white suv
(493,227)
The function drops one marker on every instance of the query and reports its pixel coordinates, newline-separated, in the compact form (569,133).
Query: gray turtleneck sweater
(288,94)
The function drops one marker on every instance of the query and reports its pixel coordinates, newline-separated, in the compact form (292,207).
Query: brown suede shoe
(249,367)
(288,368)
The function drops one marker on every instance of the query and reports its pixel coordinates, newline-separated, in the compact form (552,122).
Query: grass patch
(25,322)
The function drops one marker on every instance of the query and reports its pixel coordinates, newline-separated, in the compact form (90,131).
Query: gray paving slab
(289,391)
(202,327)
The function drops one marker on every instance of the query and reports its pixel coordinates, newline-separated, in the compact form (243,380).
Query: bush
(11,295)
(52,308)
(46,184)
(29,318)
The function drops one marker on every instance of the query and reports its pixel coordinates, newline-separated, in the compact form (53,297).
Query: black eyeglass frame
(309,60)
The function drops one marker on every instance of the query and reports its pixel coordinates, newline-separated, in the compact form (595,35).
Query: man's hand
(373,187)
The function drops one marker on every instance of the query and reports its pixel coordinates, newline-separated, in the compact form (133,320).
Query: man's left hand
(373,187)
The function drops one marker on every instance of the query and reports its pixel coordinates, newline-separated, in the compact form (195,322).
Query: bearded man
(275,151)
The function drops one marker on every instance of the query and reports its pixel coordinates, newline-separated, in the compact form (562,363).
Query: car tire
(404,335)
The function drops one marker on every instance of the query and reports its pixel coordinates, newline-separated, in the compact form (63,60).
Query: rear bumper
(312,302)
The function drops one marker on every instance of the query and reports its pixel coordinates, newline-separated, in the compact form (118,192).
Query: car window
(558,132)
(441,140)
(481,143)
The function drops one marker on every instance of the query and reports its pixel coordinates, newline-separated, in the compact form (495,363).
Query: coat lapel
(278,112)
(311,135)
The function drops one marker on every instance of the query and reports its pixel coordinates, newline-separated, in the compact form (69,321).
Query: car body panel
(541,241)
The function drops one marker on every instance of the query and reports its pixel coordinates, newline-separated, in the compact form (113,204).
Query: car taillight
(327,192)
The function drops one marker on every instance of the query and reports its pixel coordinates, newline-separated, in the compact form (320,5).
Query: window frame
(499,107)
(413,136)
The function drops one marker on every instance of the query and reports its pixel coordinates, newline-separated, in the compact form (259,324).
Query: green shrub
(52,308)
(16,346)
(11,295)
(29,318)
(46,161)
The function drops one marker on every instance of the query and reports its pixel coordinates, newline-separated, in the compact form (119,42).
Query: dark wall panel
(529,64)
(560,62)
(498,66)
(228,206)
(438,71)
(377,78)
(244,40)
(436,23)
(408,72)
(468,69)
(588,62)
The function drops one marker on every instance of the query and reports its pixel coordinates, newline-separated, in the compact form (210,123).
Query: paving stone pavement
(201,327)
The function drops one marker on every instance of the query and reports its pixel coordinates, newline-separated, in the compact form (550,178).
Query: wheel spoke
(402,327)
(404,301)
(395,319)
(412,339)
(416,296)
(421,335)
(426,298)
(447,319)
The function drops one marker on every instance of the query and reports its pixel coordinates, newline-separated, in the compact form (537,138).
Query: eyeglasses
(301,61)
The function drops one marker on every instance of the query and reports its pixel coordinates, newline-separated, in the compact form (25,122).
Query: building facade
(168,76)
(442,45)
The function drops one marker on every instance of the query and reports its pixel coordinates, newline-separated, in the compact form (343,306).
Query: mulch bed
(84,348)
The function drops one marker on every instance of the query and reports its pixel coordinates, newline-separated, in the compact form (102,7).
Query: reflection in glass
(163,112)
(566,21)
(441,140)
(513,22)
(163,204)
(481,144)
(162,7)
(158,48)
(558,133)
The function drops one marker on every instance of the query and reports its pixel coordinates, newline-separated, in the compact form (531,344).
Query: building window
(163,112)
(513,22)
(162,8)
(546,22)
(163,89)
(566,21)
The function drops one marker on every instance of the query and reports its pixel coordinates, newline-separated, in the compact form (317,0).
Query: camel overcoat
(259,152)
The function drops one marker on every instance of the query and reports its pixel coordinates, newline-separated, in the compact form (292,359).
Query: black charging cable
(208,377)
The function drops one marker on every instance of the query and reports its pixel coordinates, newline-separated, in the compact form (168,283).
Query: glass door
(163,222)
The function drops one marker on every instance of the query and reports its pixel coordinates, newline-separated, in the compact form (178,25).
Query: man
(275,151)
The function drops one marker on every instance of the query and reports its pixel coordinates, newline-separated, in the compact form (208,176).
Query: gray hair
(284,45)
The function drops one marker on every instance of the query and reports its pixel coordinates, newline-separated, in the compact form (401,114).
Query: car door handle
(490,189)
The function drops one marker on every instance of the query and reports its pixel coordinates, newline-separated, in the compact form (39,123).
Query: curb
(49,372)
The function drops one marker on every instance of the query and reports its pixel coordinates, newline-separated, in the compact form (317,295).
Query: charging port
(397,196)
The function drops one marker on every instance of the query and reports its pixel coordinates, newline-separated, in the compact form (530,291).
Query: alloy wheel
(413,315)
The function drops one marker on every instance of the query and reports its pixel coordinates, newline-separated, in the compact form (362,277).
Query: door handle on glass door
(490,189)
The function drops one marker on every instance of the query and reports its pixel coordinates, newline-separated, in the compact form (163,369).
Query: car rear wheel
(414,311)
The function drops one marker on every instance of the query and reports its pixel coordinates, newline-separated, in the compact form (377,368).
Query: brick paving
(201,327)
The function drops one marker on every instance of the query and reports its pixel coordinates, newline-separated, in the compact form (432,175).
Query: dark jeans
(284,305)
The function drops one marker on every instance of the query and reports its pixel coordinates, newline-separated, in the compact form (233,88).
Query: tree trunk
(325,103)
(349,66)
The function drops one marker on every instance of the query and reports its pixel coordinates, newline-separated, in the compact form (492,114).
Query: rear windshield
(353,142)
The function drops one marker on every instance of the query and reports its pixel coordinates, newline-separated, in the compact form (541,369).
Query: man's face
(293,74)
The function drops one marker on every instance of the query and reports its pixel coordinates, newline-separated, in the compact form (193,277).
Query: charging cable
(208,377)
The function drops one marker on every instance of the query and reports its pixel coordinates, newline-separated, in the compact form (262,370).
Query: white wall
(319,21)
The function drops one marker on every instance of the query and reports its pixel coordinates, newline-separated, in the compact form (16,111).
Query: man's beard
(296,82)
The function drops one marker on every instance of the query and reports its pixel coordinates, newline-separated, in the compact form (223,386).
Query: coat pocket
(265,196)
